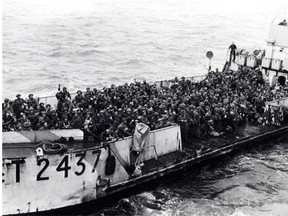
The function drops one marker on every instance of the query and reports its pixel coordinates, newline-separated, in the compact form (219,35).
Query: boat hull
(35,182)
(116,191)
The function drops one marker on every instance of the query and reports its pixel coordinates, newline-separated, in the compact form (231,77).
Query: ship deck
(203,145)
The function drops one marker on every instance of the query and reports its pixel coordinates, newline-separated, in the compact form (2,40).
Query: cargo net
(53,148)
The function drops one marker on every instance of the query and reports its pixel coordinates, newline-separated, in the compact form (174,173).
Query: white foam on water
(270,209)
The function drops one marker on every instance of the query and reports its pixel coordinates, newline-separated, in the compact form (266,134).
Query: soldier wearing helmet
(63,95)
(17,105)
(32,102)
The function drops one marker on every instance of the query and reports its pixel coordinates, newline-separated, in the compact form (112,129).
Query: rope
(53,148)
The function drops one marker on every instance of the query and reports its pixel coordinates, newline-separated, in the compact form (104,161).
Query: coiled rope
(53,148)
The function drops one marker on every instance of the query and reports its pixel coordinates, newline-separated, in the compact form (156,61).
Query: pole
(209,65)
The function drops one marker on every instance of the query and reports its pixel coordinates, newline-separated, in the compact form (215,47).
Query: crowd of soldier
(216,105)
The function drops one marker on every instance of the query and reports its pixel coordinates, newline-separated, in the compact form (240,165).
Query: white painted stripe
(14,137)
(39,136)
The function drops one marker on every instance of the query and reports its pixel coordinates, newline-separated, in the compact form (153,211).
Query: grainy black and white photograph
(145,107)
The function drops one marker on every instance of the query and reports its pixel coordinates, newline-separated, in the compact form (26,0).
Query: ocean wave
(89,52)
(59,54)
(56,54)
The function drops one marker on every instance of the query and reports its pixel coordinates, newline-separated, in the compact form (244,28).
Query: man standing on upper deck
(232,49)
(283,23)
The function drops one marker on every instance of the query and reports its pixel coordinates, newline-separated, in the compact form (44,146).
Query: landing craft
(40,182)
(54,171)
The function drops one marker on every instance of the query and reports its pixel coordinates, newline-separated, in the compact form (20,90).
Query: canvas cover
(140,137)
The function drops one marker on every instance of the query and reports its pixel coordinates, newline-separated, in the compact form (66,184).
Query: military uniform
(32,102)
(17,105)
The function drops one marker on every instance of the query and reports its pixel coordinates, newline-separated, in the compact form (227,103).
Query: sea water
(96,43)
(253,183)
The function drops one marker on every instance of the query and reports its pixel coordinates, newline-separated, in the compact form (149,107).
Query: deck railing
(168,83)
(52,100)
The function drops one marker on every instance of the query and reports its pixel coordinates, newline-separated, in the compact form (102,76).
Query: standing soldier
(79,99)
(32,102)
(66,93)
(17,105)
(63,95)
(232,49)
(88,93)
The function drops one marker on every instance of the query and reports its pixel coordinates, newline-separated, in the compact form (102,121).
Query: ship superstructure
(271,61)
